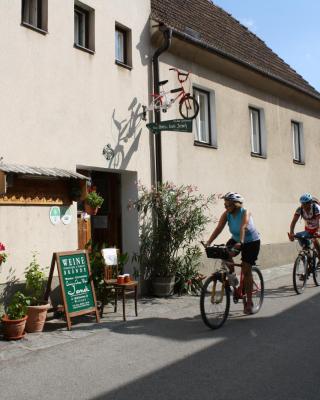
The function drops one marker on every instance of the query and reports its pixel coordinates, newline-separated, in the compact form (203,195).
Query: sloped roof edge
(205,45)
(40,171)
(206,25)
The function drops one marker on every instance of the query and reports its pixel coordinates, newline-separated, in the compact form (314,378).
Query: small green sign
(76,282)
(179,125)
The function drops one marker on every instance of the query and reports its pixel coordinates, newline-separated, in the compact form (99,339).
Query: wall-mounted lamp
(108,152)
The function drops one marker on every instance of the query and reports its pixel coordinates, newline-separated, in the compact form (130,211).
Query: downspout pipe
(167,34)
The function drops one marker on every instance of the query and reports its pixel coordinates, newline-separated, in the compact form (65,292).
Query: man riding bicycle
(245,238)
(310,212)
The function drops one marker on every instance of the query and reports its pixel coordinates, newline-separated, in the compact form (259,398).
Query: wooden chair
(111,272)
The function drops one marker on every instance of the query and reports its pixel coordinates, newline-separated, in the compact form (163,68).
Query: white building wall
(60,106)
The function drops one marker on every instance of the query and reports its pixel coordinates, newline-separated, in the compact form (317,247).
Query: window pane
(255,132)
(119,45)
(31,11)
(202,120)
(80,28)
(296,141)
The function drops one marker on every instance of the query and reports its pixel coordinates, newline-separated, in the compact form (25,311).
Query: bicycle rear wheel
(214,301)
(189,107)
(257,290)
(300,274)
(316,271)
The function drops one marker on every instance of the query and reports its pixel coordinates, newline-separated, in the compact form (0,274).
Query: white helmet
(233,196)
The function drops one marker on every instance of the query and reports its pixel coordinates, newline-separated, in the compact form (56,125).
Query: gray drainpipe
(167,33)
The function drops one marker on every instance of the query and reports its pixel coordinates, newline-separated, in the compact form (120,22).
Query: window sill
(258,155)
(299,162)
(34,28)
(202,144)
(92,52)
(129,67)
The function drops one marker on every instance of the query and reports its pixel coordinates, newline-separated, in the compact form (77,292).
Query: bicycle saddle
(163,82)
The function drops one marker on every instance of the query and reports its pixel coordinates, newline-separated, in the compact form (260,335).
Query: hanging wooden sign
(76,284)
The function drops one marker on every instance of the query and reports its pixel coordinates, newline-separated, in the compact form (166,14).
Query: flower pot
(13,329)
(36,317)
(89,210)
(163,286)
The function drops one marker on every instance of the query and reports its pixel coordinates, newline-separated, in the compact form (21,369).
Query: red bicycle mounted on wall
(188,105)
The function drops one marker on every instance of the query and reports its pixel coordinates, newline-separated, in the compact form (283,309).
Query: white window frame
(207,137)
(123,46)
(258,135)
(120,46)
(297,142)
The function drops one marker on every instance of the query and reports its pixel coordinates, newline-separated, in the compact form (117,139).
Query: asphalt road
(168,353)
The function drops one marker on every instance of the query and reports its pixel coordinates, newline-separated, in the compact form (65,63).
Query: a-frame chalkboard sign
(76,284)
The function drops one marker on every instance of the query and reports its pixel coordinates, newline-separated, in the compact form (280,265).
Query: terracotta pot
(36,317)
(89,210)
(13,329)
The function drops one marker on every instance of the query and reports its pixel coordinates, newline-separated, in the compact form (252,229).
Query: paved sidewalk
(56,332)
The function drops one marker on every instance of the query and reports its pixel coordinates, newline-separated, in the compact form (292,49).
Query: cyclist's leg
(248,285)
(230,243)
(317,246)
(250,253)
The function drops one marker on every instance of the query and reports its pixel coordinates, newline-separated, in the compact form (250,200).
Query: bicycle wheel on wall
(257,290)
(316,271)
(189,107)
(300,274)
(214,302)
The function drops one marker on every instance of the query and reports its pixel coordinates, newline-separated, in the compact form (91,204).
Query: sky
(291,28)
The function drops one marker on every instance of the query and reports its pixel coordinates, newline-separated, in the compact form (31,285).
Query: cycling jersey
(311,218)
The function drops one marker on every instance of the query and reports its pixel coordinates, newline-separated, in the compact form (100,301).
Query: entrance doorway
(104,229)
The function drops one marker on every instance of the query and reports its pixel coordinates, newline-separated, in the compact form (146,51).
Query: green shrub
(17,308)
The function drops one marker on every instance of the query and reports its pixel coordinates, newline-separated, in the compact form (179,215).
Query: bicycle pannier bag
(217,252)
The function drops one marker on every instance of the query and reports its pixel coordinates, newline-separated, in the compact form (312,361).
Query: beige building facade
(75,78)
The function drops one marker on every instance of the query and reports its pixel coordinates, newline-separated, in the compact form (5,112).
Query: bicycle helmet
(305,198)
(233,196)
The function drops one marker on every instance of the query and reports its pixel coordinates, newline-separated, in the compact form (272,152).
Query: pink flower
(3,255)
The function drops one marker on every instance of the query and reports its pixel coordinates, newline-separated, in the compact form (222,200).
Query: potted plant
(14,321)
(35,285)
(93,202)
(171,219)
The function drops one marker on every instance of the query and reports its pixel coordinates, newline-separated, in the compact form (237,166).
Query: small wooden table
(123,287)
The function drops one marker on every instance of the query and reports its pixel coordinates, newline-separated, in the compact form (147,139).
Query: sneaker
(248,308)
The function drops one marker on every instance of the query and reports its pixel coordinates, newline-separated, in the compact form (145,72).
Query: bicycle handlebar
(317,236)
(184,74)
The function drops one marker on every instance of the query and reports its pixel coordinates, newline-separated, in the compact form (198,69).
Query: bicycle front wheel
(316,271)
(257,289)
(300,274)
(189,107)
(214,301)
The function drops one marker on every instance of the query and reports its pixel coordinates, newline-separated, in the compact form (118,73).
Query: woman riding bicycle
(310,212)
(245,238)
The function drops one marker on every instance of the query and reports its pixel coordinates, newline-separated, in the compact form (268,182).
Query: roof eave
(199,43)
